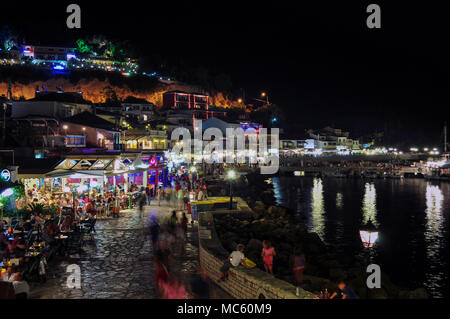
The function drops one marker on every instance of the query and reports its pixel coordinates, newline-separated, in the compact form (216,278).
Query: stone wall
(242,283)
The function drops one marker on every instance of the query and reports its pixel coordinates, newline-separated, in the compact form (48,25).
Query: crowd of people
(26,246)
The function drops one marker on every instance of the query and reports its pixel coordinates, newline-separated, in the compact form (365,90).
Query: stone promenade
(119,263)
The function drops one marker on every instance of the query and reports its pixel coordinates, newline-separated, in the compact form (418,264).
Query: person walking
(298,263)
(180,195)
(159,194)
(168,194)
(141,202)
(155,230)
(148,194)
(184,223)
(172,222)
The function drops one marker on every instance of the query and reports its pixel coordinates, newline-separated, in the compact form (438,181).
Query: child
(268,252)
(235,259)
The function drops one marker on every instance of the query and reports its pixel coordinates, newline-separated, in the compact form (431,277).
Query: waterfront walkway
(119,264)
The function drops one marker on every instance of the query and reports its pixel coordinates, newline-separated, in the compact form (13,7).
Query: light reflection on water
(369,204)
(339,200)
(317,221)
(411,215)
(434,233)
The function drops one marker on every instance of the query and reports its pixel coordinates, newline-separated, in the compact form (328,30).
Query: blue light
(7,192)
(58,67)
(274,119)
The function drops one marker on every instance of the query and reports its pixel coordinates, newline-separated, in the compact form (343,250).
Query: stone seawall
(242,283)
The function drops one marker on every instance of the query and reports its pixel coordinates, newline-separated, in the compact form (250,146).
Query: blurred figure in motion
(163,254)
(159,194)
(141,201)
(155,230)
(172,222)
(201,286)
(162,259)
(173,289)
(181,233)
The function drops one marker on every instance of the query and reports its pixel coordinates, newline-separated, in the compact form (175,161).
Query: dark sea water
(411,215)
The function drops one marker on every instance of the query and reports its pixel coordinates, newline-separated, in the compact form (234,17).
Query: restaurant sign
(5,175)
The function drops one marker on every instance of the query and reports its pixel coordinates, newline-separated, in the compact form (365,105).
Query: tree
(110,95)
(8,39)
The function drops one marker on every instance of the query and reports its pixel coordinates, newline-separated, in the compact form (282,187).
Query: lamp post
(231,175)
(264,94)
(369,237)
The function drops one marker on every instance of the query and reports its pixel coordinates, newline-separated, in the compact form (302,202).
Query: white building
(331,140)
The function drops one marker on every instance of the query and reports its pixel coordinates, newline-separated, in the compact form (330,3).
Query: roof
(175,91)
(32,166)
(91,120)
(184,92)
(69,97)
(135,100)
(103,112)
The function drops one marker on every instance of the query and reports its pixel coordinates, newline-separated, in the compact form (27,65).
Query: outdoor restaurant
(53,212)
(93,176)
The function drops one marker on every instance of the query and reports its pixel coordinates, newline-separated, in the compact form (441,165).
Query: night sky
(319,62)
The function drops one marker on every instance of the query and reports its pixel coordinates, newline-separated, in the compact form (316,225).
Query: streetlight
(231,175)
(369,236)
(264,94)
(239,100)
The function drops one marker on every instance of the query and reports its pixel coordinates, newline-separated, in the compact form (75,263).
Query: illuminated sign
(28,50)
(153,162)
(5,175)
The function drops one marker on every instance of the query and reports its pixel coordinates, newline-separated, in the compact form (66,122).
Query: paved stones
(119,263)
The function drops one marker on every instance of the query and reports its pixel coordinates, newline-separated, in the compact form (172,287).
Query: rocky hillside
(92,84)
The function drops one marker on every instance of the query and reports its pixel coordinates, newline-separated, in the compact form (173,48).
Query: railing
(75,141)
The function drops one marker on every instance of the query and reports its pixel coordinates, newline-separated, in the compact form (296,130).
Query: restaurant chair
(88,229)
(75,242)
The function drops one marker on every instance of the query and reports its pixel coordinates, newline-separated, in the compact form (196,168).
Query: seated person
(16,248)
(67,223)
(80,214)
(51,228)
(235,259)
(21,287)
(37,219)
(27,225)
(3,243)
(344,292)
(9,275)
